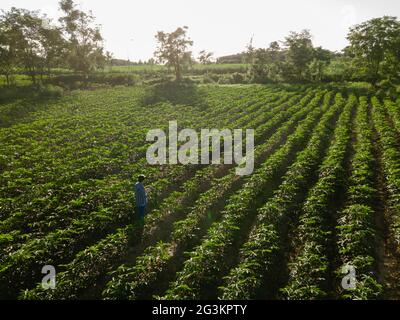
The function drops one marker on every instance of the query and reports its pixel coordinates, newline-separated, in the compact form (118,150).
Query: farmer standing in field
(141,197)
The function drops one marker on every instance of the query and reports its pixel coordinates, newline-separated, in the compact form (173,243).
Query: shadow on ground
(16,102)
(185,92)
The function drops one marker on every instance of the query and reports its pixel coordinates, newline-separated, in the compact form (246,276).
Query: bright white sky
(220,26)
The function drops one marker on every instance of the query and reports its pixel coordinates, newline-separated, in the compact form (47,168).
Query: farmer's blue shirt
(140,195)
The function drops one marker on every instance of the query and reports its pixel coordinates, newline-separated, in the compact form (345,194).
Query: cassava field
(324,195)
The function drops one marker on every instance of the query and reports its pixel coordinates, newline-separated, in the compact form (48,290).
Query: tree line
(373,55)
(32,44)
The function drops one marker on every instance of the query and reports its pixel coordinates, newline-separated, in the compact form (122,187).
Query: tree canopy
(172,49)
(84,46)
(31,42)
(375,47)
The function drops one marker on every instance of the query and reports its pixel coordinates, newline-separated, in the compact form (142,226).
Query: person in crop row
(141,197)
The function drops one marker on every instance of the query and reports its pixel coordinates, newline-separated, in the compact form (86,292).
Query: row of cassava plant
(309,267)
(186,231)
(206,263)
(390,148)
(355,226)
(262,252)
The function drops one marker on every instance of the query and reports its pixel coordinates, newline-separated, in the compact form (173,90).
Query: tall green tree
(275,57)
(375,47)
(265,63)
(22,32)
(7,62)
(299,54)
(28,42)
(85,43)
(319,64)
(258,68)
(53,44)
(8,57)
(172,49)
